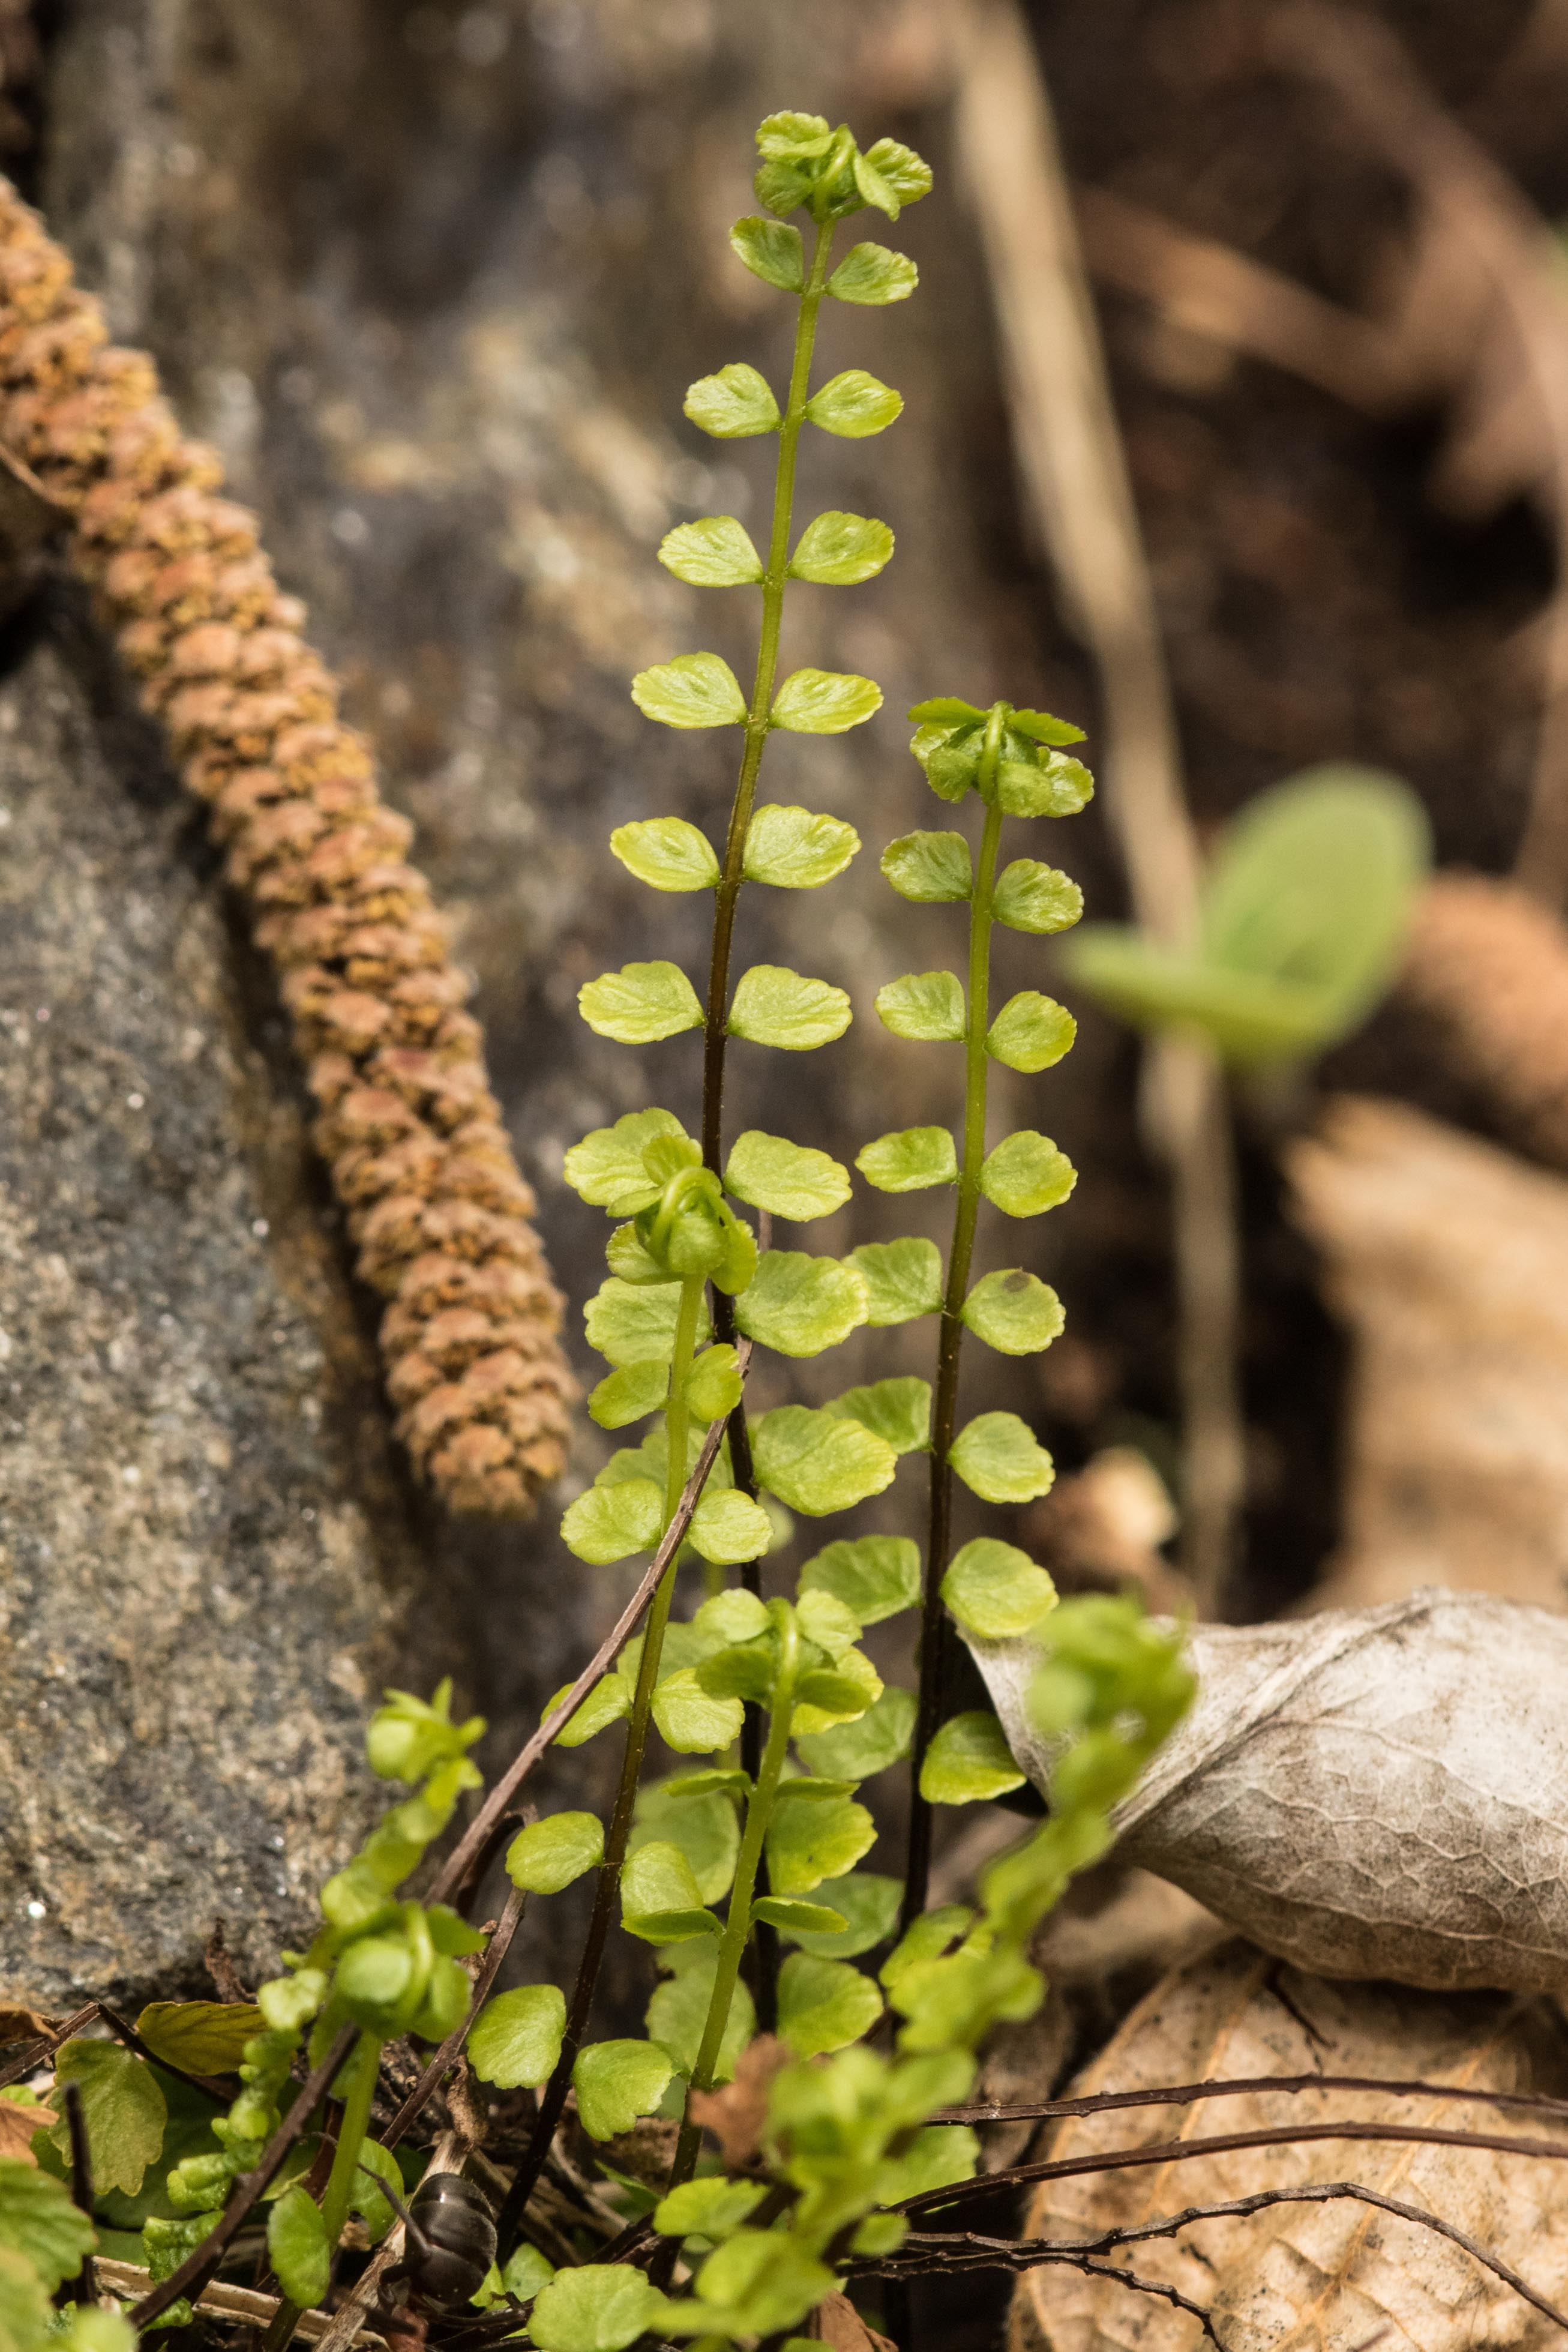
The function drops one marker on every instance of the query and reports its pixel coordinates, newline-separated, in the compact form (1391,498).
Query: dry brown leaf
(836,2320)
(1448,1259)
(17,2125)
(1375,1793)
(735,2115)
(19,2023)
(1333,2277)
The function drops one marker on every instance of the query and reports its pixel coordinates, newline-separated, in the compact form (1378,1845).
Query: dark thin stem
(1182,2151)
(455,1868)
(435,2074)
(83,2288)
(947,2253)
(949,1346)
(36,2054)
(201,2262)
(552,2105)
(1182,2094)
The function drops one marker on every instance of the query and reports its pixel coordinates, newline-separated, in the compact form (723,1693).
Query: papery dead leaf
(1377,1792)
(19,2023)
(1329,2278)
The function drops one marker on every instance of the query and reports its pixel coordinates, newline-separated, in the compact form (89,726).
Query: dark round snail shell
(459,2231)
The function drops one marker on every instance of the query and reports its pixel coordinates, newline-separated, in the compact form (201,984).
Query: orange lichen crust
(1489,966)
(407,1124)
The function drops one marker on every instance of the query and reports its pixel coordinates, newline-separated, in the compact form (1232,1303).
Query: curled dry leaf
(19,2023)
(18,2122)
(836,2320)
(1314,2277)
(1448,1259)
(736,2115)
(1377,1792)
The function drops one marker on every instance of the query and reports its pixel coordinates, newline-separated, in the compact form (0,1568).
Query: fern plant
(770,1703)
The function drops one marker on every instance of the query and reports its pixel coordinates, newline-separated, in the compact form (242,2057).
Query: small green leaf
(839,551)
(202,2037)
(853,405)
(969,1761)
(526,2272)
(903,1279)
(692,690)
(901,169)
(732,1616)
(615,2083)
(728,1527)
(715,552)
(775,1006)
(925,1005)
(1030,897)
(824,702)
(798,1305)
(870,273)
(935,2159)
(930,867)
(1026,1174)
(690,1719)
(667,854)
(640,1004)
(827,1621)
(1031,1033)
(928,1940)
(607,1168)
(874,1576)
(1044,727)
(854,1751)
(630,1395)
(660,1899)
(784,1911)
(610,1523)
(549,1855)
(815,1463)
(909,1161)
(297,2248)
(1014,1312)
(40,2227)
(606,1703)
(26,2316)
(824,2004)
(872,187)
(714,1384)
(515,2041)
(999,1458)
(771,252)
(733,403)
(702,1823)
(707,2208)
(807,1843)
(601,2307)
(633,1322)
(124,2108)
(828,1696)
(945,710)
(1052,785)
(790,1180)
(793,849)
(678,2010)
(996,1590)
(868,1905)
(898,1409)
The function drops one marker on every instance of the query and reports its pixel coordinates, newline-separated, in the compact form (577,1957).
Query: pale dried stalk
(1073,465)
(408,1126)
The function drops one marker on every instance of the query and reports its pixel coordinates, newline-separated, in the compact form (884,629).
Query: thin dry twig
(1181,2094)
(1074,469)
(1181,2151)
(83,2288)
(37,2053)
(240,2307)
